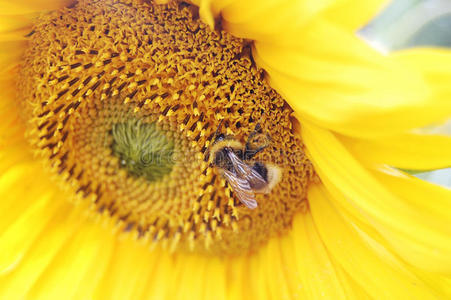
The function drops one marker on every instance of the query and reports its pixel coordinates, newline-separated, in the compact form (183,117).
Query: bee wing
(242,189)
(243,170)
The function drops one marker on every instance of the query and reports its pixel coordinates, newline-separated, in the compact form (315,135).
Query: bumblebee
(245,176)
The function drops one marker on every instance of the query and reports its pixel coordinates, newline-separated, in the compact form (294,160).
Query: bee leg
(251,150)
(250,153)
(257,130)
(216,136)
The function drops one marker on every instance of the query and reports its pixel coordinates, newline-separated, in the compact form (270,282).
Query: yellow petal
(330,76)
(271,19)
(12,181)
(15,24)
(191,279)
(97,269)
(20,235)
(308,266)
(12,129)
(215,268)
(10,54)
(379,279)
(164,271)
(276,277)
(237,278)
(333,78)
(66,272)
(130,267)
(259,20)
(17,283)
(16,165)
(258,287)
(418,235)
(414,191)
(22,7)
(262,21)
(354,14)
(434,65)
(438,284)
(352,289)
(14,27)
(406,151)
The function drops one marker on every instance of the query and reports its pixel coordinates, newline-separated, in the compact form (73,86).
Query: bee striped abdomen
(261,169)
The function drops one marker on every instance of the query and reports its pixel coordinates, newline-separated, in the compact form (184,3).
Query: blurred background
(410,23)
(414,23)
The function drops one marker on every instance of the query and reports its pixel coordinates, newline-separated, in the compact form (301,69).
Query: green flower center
(143,149)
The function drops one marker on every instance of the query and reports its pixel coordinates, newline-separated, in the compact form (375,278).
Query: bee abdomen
(261,169)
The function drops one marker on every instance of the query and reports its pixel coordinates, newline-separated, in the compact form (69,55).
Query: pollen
(123,101)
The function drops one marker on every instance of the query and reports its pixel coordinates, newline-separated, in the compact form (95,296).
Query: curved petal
(354,14)
(379,279)
(257,276)
(406,151)
(260,20)
(95,271)
(14,27)
(195,276)
(16,19)
(22,7)
(420,236)
(264,22)
(327,74)
(293,266)
(215,268)
(164,271)
(237,280)
(191,278)
(70,267)
(438,284)
(335,80)
(414,191)
(10,54)
(37,221)
(12,181)
(128,271)
(308,264)
(25,226)
(14,149)
(19,281)
(276,282)
(352,289)
(434,64)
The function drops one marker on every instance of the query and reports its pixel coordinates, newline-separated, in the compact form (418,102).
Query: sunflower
(110,189)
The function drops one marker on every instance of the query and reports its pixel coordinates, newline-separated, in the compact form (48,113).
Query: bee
(234,161)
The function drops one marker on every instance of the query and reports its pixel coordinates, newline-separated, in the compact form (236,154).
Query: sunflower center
(125,100)
(143,149)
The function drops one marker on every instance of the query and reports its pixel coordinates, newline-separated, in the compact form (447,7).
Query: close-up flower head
(221,149)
